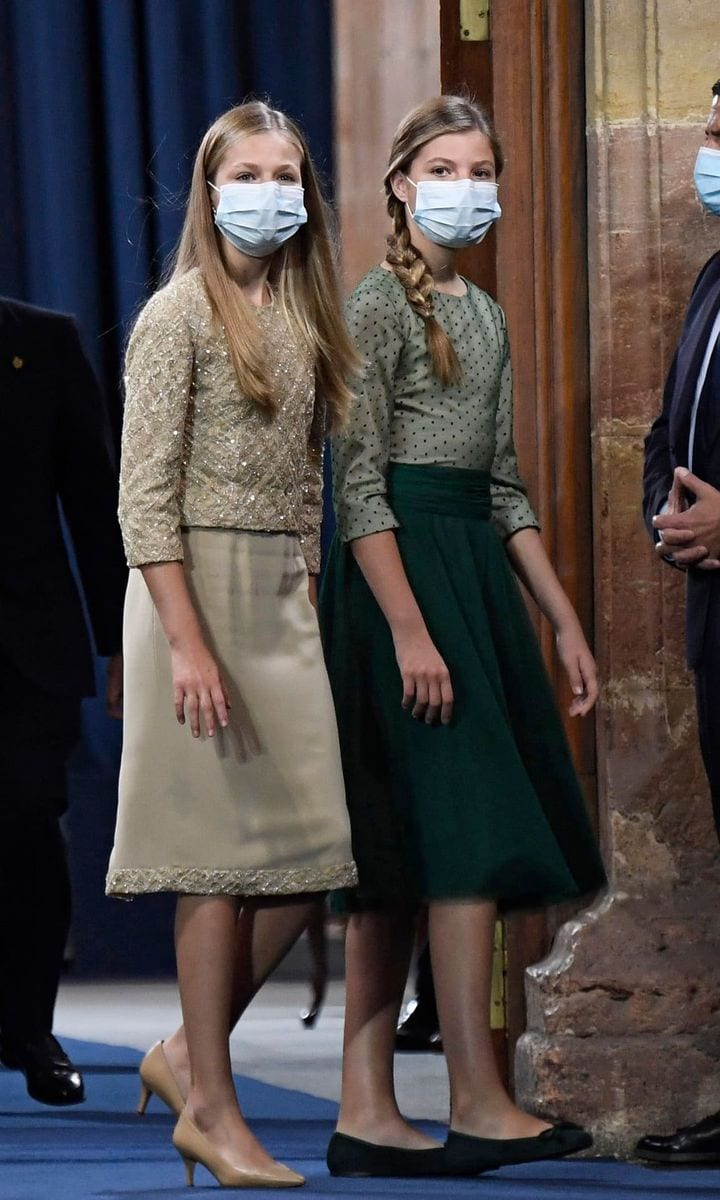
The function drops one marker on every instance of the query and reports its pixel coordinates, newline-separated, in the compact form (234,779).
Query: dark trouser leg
(37,734)
(35,904)
(707,692)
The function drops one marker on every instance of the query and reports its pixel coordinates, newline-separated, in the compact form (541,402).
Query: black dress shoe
(698,1143)
(351,1156)
(466,1155)
(50,1076)
(416,1034)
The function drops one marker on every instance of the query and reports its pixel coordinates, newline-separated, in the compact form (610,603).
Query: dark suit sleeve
(88,489)
(658,469)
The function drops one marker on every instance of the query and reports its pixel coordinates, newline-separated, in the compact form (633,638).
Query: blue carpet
(102,1151)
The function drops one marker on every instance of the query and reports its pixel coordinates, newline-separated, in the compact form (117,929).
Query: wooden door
(531,76)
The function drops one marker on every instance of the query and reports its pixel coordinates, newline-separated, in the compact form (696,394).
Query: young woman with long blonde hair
(234,370)
(460,784)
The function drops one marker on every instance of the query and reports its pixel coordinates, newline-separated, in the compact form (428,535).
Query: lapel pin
(18,362)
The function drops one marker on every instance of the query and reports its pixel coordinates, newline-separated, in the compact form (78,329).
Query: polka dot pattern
(403,414)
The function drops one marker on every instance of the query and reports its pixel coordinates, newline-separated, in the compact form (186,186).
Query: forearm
(169,591)
(427,687)
(379,559)
(529,558)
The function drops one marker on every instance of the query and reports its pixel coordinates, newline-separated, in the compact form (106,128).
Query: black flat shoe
(467,1155)
(350,1156)
(699,1143)
(49,1075)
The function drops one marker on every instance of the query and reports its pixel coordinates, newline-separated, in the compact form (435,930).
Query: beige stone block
(649,238)
(620,1088)
(650,59)
(623,1031)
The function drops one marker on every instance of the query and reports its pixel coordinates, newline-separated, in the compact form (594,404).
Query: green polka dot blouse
(403,414)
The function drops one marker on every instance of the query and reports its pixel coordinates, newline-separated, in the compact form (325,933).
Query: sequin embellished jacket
(195,452)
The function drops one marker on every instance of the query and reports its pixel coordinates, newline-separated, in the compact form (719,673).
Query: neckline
(451,295)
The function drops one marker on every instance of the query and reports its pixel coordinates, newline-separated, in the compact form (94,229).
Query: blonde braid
(414,274)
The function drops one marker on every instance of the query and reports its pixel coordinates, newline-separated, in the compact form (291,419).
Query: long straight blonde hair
(303,271)
(442,114)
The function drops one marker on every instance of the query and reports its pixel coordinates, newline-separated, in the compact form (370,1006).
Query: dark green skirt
(488,806)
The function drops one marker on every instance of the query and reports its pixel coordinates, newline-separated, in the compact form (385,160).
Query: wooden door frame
(531,75)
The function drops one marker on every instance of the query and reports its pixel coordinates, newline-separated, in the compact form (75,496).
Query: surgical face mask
(707,178)
(258,217)
(455,212)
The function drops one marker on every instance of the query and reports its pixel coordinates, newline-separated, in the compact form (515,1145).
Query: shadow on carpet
(102,1150)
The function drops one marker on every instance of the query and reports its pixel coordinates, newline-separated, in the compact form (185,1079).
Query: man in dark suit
(682,511)
(54,446)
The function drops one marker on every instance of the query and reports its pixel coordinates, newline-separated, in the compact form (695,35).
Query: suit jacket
(55,445)
(667,443)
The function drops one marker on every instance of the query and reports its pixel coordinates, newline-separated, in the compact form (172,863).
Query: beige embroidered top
(195,452)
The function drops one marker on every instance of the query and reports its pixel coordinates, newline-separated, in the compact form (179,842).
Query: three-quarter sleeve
(511,509)
(361,453)
(158,383)
(312,493)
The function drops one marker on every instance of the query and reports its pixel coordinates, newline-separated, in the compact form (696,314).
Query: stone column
(623,1025)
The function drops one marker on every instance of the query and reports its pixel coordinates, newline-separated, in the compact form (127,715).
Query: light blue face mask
(455,212)
(259,217)
(707,179)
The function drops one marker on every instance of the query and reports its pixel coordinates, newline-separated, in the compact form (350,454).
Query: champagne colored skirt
(489,805)
(259,809)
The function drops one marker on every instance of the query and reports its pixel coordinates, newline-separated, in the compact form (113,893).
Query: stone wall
(623,1017)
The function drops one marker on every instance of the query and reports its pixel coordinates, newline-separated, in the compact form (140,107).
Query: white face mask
(455,212)
(258,217)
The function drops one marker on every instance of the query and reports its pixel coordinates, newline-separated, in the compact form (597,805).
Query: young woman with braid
(460,784)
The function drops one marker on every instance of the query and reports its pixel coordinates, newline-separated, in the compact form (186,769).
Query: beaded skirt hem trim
(196,881)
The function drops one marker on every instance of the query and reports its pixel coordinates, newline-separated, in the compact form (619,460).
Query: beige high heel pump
(156,1077)
(193,1147)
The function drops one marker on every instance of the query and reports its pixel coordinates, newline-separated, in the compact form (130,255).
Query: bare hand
(198,686)
(581,669)
(114,687)
(426,680)
(691,536)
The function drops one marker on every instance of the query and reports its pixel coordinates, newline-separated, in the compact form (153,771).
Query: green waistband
(451,491)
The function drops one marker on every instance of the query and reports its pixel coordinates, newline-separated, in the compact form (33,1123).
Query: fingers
(212,704)
(179,704)
(689,481)
(408,690)
(691,557)
(422,697)
(675,536)
(675,496)
(221,703)
(586,695)
(447,700)
(192,701)
(432,712)
(208,711)
(430,696)
(674,546)
(577,683)
(709,564)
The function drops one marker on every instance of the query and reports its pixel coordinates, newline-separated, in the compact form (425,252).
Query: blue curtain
(103,104)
